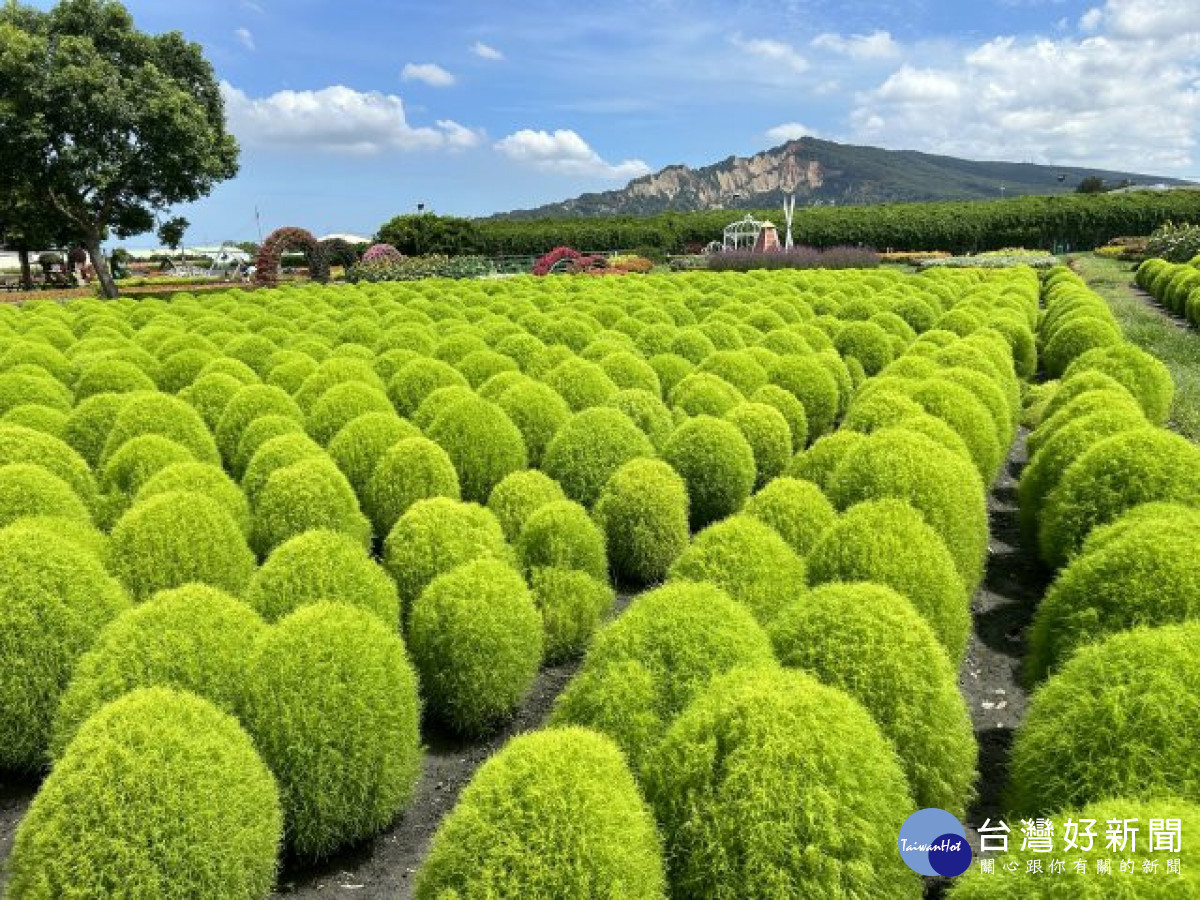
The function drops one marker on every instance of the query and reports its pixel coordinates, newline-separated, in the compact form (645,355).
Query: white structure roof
(348,238)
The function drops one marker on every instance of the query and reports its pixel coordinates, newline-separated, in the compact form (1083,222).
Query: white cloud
(778,53)
(1124,96)
(484,51)
(337,119)
(878,45)
(564,152)
(430,73)
(789,131)
(253,6)
(244,37)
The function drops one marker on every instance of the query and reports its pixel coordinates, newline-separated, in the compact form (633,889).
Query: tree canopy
(104,124)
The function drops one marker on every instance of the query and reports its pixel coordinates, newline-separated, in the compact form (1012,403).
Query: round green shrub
(562,535)
(1090,884)
(572,604)
(1145,376)
(797,510)
(1082,383)
(590,447)
(24,445)
(643,511)
(480,365)
(55,597)
(176,538)
(1085,404)
(647,412)
(889,543)
(79,532)
(413,469)
(738,368)
(746,783)
(30,490)
(306,495)
(870,642)
(1141,465)
(482,443)
(818,463)
(1116,720)
(1145,574)
(40,418)
(943,487)
(358,447)
(1075,338)
(248,404)
(161,795)
(436,535)
(769,437)
(138,460)
(161,414)
(342,404)
(193,638)
(518,496)
(717,464)
(276,454)
(199,478)
(331,701)
(17,388)
(538,412)
(581,383)
(867,343)
(322,567)
(1055,455)
(748,560)
(476,639)
(257,433)
(556,813)
(810,382)
(670,369)
(702,393)
(417,379)
(89,423)
(790,408)
(646,666)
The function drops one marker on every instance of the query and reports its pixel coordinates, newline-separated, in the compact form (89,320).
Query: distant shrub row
(1175,285)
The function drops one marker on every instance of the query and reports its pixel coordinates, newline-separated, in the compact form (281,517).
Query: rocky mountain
(826,172)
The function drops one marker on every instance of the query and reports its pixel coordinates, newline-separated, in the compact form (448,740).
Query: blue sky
(349,113)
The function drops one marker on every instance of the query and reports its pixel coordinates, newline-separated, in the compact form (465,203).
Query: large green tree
(106,124)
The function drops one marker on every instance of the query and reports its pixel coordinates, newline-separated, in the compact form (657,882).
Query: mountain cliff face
(825,172)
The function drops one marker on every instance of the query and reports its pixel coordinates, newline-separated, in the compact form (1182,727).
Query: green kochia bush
(716,463)
(766,431)
(1146,573)
(797,510)
(1117,720)
(477,642)
(248,404)
(538,411)
(331,700)
(175,538)
(643,511)
(1145,376)
(194,638)
(518,496)
(747,559)
(1138,466)
(869,641)
(483,444)
(160,795)
(818,463)
(572,604)
(887,542)
(556,813)
(943,487)
(411,470)
(813,385)
(257,433)
(161,414)
(435,536)
(562,535)
(322,567)
(1089,884)
(646,666)
(358,447)
(24,445)
(30,490)
(54,598)
(591,446)
(311,493)
(342,404)
(754,770)
(200,478)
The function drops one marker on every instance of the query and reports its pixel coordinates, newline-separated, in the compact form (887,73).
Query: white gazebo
(742,234)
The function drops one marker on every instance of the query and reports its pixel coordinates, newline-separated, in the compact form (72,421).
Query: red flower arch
(280,241)
(546,264)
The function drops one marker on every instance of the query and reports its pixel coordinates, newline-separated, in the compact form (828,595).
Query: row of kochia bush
(601,427)
(1175,285)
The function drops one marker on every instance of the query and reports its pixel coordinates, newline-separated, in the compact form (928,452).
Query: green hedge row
(1175,285)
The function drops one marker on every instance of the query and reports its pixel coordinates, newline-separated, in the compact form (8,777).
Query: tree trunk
(107,286)
(26,272)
